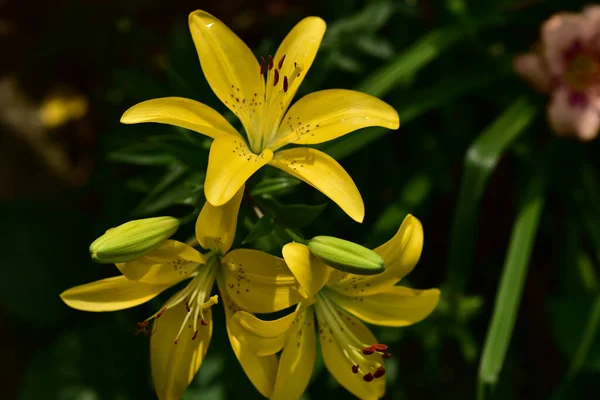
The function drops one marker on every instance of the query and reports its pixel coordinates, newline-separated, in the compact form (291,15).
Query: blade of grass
(511,285)
(480,160)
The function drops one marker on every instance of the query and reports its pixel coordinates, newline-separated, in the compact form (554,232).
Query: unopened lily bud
(133,239)
(346,256)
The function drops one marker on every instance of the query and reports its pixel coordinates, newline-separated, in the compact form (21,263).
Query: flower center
(365,359)
(583,69)
(279,78)
(196,297)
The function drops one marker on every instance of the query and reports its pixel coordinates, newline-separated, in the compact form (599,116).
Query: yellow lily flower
(341,301)
(182,328)
(259,95)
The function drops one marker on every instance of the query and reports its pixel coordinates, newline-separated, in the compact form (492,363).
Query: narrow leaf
(262,228)
(511,285)
(481,159)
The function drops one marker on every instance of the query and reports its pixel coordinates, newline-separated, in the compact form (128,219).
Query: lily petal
(259,282)
(396,306)
(297,359)
(111,294)
(215,226)
(230,67)
(170,263)
(337,362)
(400,254)
(310,272)
(573,115)
(328,114)
(325,174)
(263,338)
(178,111)
(175,364)
(299,48)
(261,371)
(230,164)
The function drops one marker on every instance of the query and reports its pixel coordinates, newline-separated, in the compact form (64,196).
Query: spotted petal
(328,114)
(230,68)
(230,164)
(325,174)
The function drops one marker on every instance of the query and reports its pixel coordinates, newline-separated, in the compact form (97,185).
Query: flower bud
(133,239)
(346,256)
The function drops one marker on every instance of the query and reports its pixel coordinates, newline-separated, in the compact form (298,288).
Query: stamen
(203,322)
(187,305)
(276,78)
(355,369)
(379,347)
(367,351)
(270,63)
(160,313)
(281,62)
(262,65)
(379,373)
(386,355)
(142,327)
(368,377)
(285,84)
(196,334)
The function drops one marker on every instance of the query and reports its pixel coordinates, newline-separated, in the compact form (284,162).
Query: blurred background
(474,159)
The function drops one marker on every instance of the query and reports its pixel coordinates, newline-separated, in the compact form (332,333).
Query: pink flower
(567,67)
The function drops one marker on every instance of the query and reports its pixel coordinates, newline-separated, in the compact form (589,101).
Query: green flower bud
(346,256)
(133,239)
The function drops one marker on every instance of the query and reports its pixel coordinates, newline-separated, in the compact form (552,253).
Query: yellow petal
(260,370)
(170,263)
(337,362)
(395,306)
(262,338)
(178,111)
(215,226)
(230,164)
(400,254)
(174,365)
(325,174)
(300,47)
(259,282)
(310,272)
(111,294)
(328,114)
(297,359)
(230,68)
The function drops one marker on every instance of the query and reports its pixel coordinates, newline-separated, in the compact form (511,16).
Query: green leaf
(481,159)
(262,228)
(422,102)
(141,154)
(292,215)
(190,152)
(179,186)
(278,185)
(511,285)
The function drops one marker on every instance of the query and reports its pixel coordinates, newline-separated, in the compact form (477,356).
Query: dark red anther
(379,373)
(203,322)
(270,63)
(295,65)
(281,62)
(276,77)
(285,84)
(262,65)
(368,377)
(379,347)
(355,369)
(367,351)
(386,355)
(160,313)
(187,306)
(175,341)
(196,334)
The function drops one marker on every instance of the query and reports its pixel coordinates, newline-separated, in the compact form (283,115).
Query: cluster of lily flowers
(329,286)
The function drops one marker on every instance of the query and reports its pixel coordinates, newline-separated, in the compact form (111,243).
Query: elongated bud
(133,239)
(346,256)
